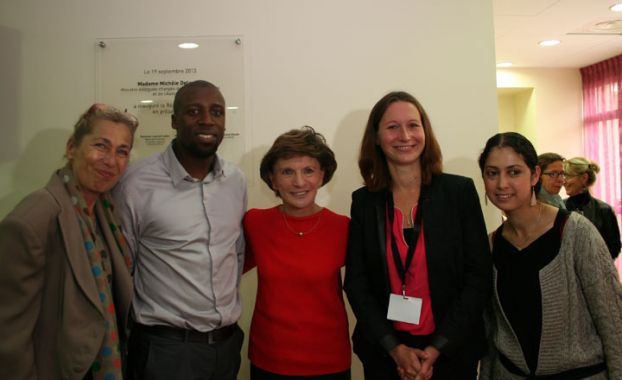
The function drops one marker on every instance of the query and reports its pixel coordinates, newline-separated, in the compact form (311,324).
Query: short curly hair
(298,142)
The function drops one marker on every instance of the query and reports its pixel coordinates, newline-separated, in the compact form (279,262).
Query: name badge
(404,309)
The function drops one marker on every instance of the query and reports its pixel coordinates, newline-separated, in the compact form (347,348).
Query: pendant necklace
(301,233)
(527,239)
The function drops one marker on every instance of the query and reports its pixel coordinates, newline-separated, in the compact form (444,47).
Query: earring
(534,201)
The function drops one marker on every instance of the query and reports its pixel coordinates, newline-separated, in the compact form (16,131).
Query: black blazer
(459,268)
(601,215)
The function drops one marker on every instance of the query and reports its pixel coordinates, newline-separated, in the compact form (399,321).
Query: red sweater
(299,326)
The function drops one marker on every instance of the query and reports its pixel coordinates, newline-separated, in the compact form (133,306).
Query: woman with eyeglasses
(552,166)
(580,176)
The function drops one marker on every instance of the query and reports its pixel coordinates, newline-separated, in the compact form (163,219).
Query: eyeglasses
(556,175)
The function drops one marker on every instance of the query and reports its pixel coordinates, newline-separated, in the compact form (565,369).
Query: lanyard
(403,269)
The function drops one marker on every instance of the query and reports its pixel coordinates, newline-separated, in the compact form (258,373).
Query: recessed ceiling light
(616,7)
(549,42)
(147,101)
(504,64)
(611,26)
(188,45)
(232,108)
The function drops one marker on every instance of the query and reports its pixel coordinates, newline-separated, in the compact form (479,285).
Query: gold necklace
(301,233)
(408,219)
(527,239)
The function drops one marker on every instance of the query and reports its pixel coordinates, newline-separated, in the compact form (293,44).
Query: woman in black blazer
(418,288)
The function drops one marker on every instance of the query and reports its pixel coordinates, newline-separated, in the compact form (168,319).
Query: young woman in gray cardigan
(557,302)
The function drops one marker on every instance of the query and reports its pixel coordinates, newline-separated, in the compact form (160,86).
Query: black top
(518,284)
(579,201)
(458,261)
(409,236)
(601,215)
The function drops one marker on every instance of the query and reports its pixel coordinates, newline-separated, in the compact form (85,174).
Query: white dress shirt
(186,239)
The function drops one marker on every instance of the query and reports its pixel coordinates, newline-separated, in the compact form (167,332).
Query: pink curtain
(602,118)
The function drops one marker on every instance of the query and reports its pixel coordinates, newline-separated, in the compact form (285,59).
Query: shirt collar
(178,173)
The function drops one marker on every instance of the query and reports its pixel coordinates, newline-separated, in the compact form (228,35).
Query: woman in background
(580,176)
(418,266)
(299,327)
(552,167)
(65,284)
(557,305)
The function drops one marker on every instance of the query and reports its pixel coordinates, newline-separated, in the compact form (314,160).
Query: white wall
(322,63)
(557,106)
(554,111)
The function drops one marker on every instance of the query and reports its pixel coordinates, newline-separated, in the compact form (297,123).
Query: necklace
(301,233)
(408,220)
(526,240)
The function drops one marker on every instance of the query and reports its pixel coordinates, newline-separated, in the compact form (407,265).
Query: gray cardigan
(581,311)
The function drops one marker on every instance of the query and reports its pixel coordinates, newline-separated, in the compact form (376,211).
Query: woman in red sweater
(299,327)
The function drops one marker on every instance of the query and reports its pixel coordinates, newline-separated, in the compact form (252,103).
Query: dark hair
(190,85)
(299,142)
(372,160)
(97,112)
(545,159)
(519,143)
(579,165)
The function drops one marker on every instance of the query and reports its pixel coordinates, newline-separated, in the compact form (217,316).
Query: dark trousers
(153,357)
(259,374)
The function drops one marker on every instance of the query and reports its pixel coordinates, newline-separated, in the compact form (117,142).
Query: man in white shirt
(181,212)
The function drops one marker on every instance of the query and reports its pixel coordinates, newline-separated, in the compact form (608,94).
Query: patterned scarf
(107,364)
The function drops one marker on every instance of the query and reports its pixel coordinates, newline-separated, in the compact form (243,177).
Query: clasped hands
(413,363)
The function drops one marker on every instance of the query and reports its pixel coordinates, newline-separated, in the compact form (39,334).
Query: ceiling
(589,32)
